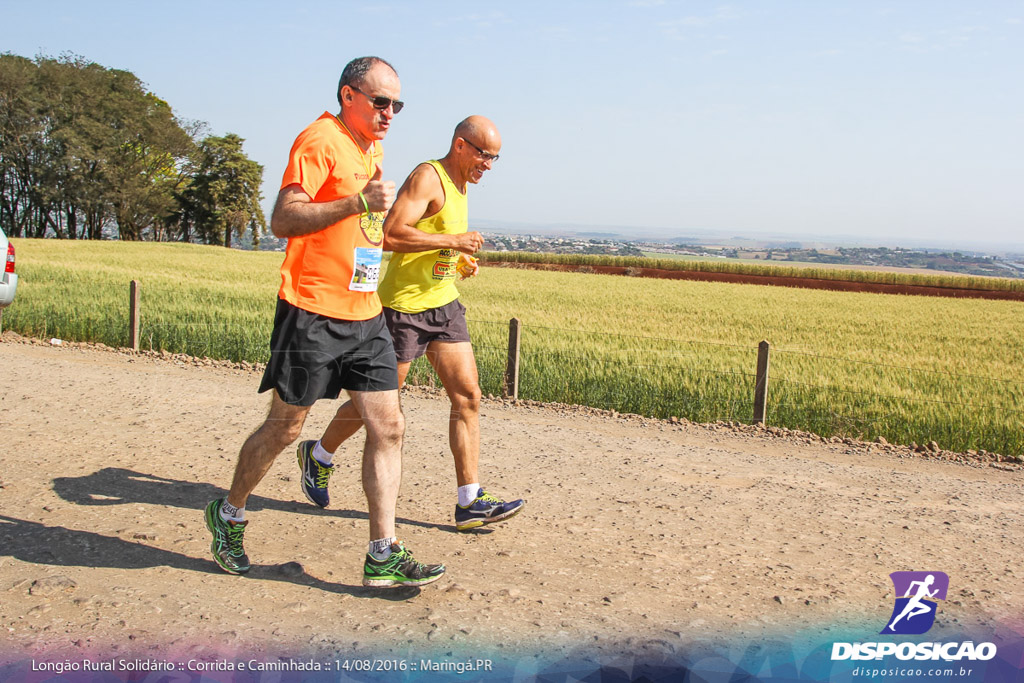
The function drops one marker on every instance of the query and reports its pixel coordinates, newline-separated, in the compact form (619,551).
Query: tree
(72,92)
(84,147)
(223,195)
(21,144)
(148,150)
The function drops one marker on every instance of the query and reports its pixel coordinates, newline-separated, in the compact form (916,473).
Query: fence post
(133,316)
(510,388)
(761,383)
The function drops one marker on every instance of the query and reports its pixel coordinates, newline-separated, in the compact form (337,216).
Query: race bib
(366,272)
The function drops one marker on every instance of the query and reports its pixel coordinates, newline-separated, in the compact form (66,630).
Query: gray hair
(356,70)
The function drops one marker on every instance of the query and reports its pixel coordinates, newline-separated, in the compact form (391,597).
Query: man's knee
(466,398)
(281,432)
(392,428)
(386,428)
(283,424)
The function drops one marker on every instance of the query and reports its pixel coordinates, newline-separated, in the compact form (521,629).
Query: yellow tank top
(422,280)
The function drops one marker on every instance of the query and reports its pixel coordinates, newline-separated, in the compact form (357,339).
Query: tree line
(87,152)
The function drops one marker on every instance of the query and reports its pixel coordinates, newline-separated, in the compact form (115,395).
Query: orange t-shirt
(333,272)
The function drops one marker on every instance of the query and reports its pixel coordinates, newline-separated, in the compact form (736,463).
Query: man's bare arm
(421,191)
(296,214)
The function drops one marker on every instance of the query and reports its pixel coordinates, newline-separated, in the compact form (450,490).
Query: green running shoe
(399,569)
(227,540)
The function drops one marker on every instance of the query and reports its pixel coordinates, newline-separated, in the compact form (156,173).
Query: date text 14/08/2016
(458,667)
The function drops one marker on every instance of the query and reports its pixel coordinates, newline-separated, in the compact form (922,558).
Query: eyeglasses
(381,103)
(486,155)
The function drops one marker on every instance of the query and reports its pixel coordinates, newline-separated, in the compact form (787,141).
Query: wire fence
(652,376)
(708,381)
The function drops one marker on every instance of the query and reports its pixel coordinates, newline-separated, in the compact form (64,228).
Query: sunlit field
(904,367)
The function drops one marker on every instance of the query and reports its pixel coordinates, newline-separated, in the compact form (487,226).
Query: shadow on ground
(59,546)
(118,486)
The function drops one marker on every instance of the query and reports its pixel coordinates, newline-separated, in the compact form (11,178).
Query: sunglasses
(381,103)
(487,156)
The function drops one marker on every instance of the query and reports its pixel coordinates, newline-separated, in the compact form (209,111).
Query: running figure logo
(916,606)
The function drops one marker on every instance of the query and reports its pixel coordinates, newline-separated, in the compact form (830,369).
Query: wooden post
(761,383)
(133,316)
(510,388)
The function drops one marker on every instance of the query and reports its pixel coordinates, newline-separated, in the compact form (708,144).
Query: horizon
(851,121)
(662,235)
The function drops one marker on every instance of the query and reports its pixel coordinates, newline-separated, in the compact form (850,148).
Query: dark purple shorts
(412,332)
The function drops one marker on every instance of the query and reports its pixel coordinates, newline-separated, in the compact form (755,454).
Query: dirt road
(638,535)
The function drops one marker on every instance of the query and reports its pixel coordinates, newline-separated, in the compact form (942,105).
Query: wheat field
(850,364)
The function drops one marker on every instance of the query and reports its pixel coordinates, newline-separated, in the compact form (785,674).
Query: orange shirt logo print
(372,225)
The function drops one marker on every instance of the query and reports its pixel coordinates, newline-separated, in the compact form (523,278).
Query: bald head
(475,147)
(479,130)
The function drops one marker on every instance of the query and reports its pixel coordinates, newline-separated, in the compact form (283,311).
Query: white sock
(229,513)
(381,548)
(321,454)
(468,493)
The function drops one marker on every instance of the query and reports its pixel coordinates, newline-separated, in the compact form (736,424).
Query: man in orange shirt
(329,333)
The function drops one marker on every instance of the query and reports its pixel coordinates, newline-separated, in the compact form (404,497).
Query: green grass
(197,300)
(904,367)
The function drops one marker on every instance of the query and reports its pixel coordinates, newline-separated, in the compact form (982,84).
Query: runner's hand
(380,194)
(470,242)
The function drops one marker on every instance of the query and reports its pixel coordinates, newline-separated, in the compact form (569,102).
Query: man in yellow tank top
(427,231)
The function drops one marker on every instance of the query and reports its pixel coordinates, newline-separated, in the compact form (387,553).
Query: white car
(8,278)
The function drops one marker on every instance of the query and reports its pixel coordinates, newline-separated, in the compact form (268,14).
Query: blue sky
(887,121)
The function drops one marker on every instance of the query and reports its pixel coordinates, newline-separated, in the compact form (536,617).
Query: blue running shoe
(486,509)
(314,475)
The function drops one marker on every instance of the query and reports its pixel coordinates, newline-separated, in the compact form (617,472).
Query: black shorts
(413,331)
(313,356)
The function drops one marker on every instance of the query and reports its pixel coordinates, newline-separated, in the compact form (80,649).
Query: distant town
(950,261)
